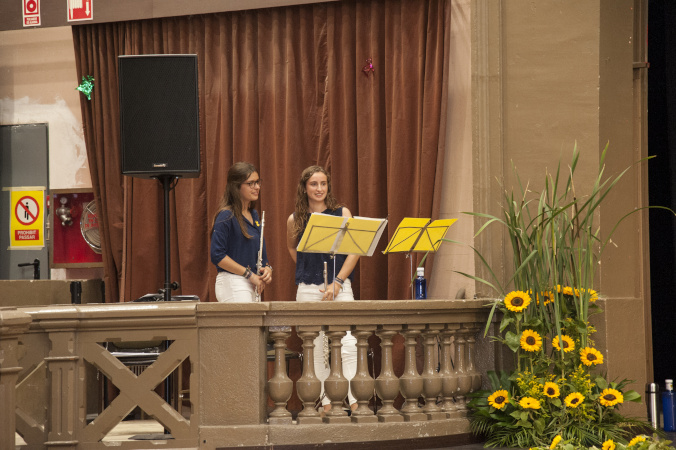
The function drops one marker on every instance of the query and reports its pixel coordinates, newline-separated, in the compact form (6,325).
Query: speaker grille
(159,115)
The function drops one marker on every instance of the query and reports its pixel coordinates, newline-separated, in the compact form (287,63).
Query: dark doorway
(662,173)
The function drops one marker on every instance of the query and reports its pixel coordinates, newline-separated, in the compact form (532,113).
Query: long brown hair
(302,211)
(237,175)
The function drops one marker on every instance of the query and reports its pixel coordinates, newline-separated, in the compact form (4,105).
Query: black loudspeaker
(159,115)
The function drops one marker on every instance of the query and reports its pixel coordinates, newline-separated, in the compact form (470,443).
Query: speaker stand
(168,285)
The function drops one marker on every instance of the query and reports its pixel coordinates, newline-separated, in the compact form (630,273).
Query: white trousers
(311,293)
(231,288)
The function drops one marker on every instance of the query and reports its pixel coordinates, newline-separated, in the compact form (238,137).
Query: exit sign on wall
(80,10)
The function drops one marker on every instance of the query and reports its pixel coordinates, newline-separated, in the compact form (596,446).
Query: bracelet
(247,273)
(269,267)
(340,281)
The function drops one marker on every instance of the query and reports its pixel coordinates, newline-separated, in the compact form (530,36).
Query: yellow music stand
(418,235)
(337,235)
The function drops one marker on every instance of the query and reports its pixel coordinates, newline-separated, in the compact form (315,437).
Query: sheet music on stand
(338,235)
(418,235)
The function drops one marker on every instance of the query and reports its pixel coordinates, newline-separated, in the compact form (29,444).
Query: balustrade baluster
(13,324)
(308,386)
(63,365)
(387,384)
(464,380)
(336,385)
(410,382)
(363,384)
(471,358)
(280,385)
(449,383)
(431,379)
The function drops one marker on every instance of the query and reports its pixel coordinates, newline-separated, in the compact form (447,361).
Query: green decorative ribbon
(87,86)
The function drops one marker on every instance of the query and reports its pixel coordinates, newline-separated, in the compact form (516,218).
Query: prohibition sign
(27,210)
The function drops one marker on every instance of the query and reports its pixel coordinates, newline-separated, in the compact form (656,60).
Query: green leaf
(507,319)
(524,424)
(632,396)
(512,341)
(539,425)
(601,382)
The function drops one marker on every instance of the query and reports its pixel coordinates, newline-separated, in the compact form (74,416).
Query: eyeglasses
(254,183)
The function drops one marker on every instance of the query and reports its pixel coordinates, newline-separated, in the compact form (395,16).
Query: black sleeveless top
(310,266)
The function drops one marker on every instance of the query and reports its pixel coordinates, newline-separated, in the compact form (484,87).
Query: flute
(326,280)
(259,261)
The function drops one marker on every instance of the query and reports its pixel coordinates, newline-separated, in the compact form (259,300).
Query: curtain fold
(282,88)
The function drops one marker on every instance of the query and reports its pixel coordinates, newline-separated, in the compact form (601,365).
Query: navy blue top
(228,240)
(310,266)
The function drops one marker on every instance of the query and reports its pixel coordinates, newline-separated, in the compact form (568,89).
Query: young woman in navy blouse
(236,236)
(314,195)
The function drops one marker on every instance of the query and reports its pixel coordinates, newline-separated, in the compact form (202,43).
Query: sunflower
(608,445)
(531,341)
(551,390)
(548,297)
(593,295)
(529,403)
(611,397)
(517,301)
(498,399)
(590,356)
(555,442)
(636,440)
(568,344)
(574,399)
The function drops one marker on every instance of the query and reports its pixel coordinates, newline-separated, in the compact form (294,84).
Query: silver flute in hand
(259,261)
(326,279)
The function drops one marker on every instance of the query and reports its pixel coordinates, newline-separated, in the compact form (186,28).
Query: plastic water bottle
(668,406)
(420,284)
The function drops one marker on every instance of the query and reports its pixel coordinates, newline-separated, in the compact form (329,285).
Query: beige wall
(547,75)
(37,85)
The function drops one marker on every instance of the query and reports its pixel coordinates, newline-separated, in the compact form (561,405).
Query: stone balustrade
(232,393)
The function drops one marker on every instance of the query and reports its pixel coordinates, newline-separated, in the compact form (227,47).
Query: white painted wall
(37,85)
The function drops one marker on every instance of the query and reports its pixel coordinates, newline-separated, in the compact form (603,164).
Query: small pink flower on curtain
(368,68)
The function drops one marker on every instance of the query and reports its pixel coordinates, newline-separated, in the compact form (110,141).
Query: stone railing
(222,387)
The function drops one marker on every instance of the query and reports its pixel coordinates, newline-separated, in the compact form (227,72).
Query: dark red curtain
(283,88)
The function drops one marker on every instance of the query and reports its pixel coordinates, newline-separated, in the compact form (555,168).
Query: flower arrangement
(557,397)
(640,442)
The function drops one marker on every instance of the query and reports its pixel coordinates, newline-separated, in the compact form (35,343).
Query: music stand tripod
(418,235)
(337,235)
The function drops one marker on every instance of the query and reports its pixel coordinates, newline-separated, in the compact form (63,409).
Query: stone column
(12,325)
(308,386)
(387,384)
(410,382)
(363,384)
(280,384)
(431,379)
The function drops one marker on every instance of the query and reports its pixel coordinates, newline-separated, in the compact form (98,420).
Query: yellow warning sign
(27,219)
